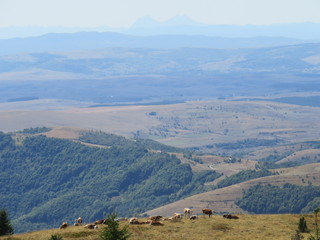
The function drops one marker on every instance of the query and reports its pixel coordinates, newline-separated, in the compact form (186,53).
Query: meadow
(262,227)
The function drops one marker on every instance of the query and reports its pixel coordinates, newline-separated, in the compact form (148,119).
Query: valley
(148,130)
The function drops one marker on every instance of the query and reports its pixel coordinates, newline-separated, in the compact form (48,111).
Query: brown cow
(154,218)
(134,220)
(156,223)
(63,225)
(101,221)
(207,211)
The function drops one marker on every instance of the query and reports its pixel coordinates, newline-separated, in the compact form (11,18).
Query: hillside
(262,227)
(223,200)
(62,178)
(251,130)
(48,180)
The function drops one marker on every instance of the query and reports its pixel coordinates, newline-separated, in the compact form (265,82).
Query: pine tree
(112,230)
(302,226)
(5,226)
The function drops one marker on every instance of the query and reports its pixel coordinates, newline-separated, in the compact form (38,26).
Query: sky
(123,13)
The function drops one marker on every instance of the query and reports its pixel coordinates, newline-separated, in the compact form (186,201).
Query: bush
(55,237)
(112,230)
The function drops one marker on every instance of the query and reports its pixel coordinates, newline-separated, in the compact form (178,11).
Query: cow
(229,216)
(187,212)
(176,217)
(134,220)
(193,217)
(101,221)
(156,223)
(63,225)
(78,221)
(155,218)
(91,226)
(207,211)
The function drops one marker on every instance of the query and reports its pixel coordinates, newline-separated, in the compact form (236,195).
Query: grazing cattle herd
(152,220)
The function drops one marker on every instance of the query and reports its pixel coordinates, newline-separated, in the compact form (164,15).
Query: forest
(268,199)
(61,180)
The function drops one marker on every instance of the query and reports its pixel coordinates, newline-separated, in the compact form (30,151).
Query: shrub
(112,231)
(55,237)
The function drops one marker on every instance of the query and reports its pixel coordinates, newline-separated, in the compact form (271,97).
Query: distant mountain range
(118,68)
(98,40)
(182,25)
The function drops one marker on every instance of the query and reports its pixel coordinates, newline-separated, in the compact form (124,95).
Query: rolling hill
(223,200)
(48,180)
(115,76)
(248,129)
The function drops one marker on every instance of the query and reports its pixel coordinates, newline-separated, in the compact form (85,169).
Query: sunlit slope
(223,200)
(262,227)
(191,124)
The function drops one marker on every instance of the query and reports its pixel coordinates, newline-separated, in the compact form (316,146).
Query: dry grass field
(187,124)
(262,227)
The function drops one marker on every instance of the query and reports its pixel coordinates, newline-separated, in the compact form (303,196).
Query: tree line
(289,198)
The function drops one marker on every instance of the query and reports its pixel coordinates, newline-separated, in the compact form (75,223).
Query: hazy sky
(123,13)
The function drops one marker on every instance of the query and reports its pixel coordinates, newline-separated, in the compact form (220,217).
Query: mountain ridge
(53,42)
(146,26)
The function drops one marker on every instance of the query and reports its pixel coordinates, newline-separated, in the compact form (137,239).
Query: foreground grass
(264,227)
